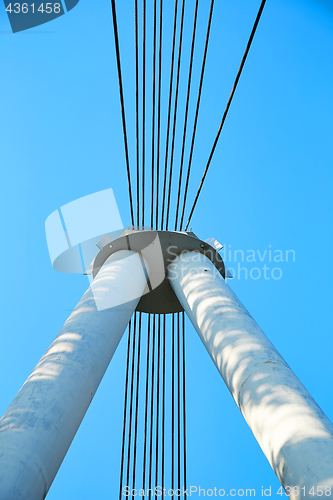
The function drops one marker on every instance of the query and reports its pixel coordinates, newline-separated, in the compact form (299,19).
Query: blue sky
(269,187)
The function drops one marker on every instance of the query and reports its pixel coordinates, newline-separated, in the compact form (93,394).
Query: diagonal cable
(175,111)
(186,110)
(254,29)
(121,93)
(169,110)
(197,112)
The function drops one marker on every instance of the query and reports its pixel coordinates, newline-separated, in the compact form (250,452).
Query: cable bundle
(160,425)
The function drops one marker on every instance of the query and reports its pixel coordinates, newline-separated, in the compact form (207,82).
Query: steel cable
(137,400)
(184,405)
(146,407)
(197,112)
(158,398)
(125,412)
(169,111)
(186,110)
(137,114)
(173,401)
(152,403)
(227,107)
(163,406)
(115,30)
(175,110)
(143,108)
(153,122)
(159,112)
(178,398)
(131,403)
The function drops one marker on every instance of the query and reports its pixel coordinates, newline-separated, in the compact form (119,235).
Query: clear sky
(269,188)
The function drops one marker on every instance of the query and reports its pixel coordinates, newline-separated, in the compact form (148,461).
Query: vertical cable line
(254,29)
(184,405)
(137,401)
(186,111)
(175,111)
(158,398)
(143,107)
(153,123)
(196,113)
(163,407)
(116,41)
(159,112)
(173,402)
(146,409)
(131,403)
(169,110)
(137,114)
(152,405)
(178,394)
(125,412)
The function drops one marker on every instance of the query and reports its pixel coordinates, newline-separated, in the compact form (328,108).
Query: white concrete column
(292,430)
(40,424)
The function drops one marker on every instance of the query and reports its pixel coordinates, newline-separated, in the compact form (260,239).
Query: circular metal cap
(158,249)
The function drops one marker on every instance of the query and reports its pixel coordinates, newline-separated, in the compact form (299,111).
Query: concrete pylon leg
(292,430)
(40,424)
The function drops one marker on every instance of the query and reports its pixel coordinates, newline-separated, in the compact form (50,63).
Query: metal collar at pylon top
(159,249)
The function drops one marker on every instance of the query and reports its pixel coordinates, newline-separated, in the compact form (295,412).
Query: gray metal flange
(159,249)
